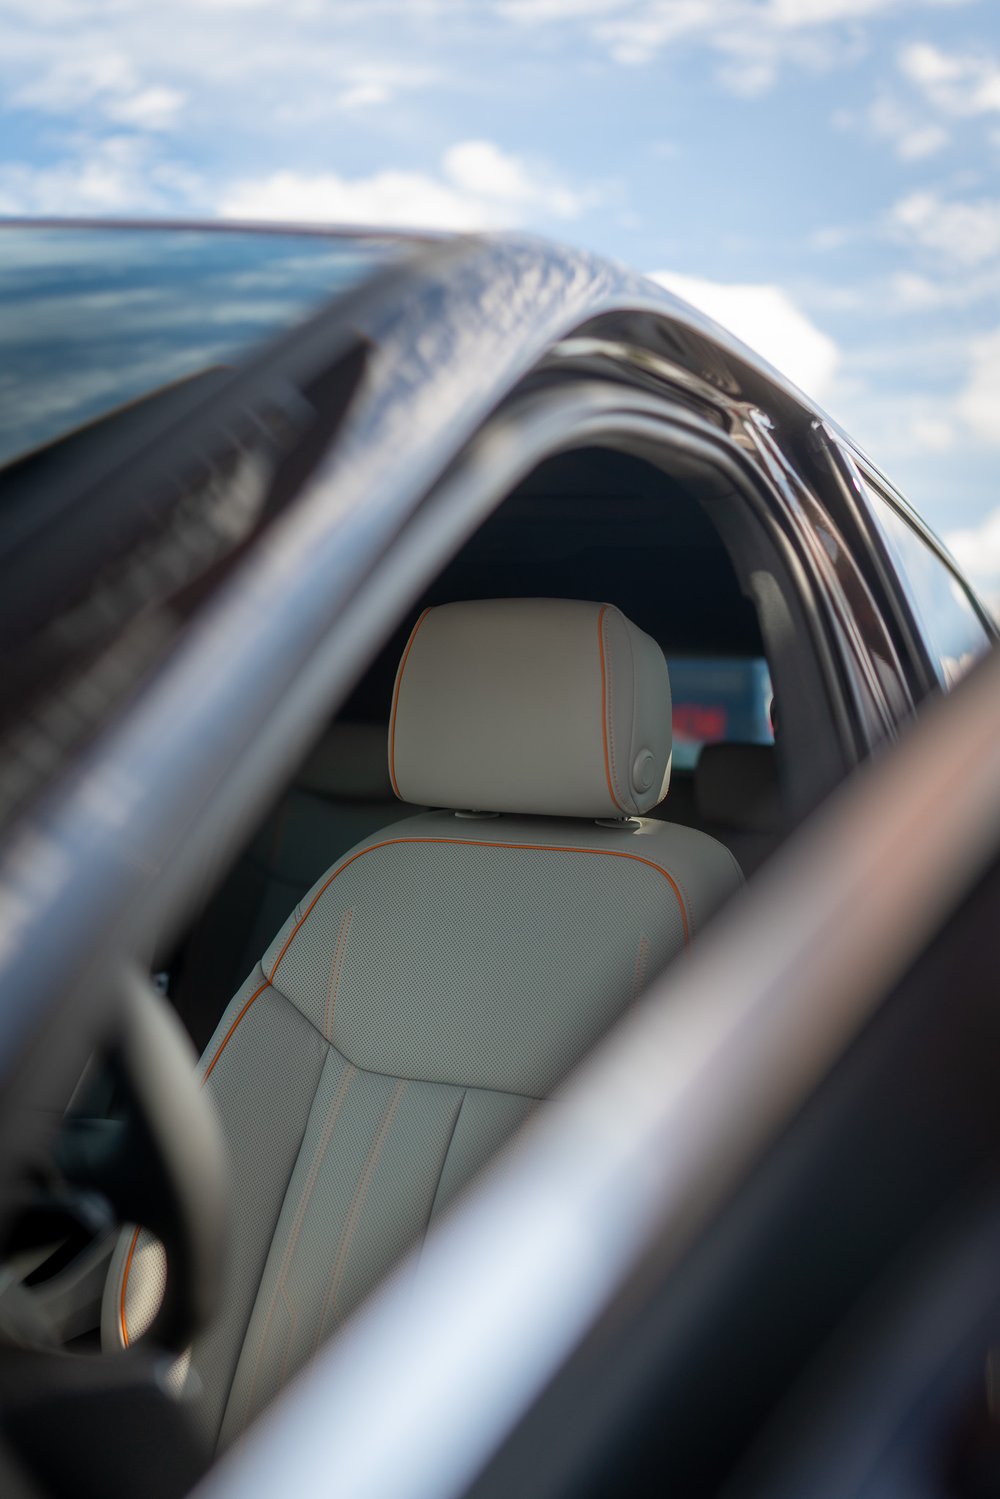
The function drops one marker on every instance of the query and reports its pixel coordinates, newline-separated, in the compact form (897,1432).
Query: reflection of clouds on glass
(955,667)
(57,408)
(953,628)
(93,319)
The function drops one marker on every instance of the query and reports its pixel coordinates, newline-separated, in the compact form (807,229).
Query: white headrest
(547,706)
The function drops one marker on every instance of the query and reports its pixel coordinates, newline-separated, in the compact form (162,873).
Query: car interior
(374,1029)
(567,532)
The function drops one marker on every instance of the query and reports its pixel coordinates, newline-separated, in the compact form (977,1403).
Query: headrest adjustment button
(642,770)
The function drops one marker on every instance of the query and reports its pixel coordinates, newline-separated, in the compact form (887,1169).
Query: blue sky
(822,175)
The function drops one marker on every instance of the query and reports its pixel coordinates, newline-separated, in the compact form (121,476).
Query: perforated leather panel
(480,966)
(422,998)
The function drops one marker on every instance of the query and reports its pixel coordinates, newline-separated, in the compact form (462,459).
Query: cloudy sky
(821,175)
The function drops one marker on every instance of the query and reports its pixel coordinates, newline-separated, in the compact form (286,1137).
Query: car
(319,546)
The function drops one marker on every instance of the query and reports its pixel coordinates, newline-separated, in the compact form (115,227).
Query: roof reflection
(93,318)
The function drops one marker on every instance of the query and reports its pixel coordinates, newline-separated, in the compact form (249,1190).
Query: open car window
(718,700)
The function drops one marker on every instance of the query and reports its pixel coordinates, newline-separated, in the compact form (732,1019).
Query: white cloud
(914,292)
(766,318)
(956,85)
(920,141)
(912,139)
(479,187)
(753,38)
(966,233)
(363,96)
(236,64)
(72,82)
(978,402)
(412,200)
(107,84)
(932,434)
(115,176)
(370,84)
(481,168)
(536,11)
(977,550)
(823,12)
(887,119)
(149,109)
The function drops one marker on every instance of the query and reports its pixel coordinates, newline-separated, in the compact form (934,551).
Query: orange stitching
(293,1322)
(604,707)
(548,848)
(357,1203)
(336,968)
(226,1038)
(395,702)
(641,964)
(128,1266)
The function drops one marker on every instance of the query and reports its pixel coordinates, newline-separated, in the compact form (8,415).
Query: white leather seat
(439,980)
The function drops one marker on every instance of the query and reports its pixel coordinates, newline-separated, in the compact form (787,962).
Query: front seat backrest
(440,979)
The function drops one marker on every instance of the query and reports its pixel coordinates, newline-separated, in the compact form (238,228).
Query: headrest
(349,763)
(736,786)
(544,706)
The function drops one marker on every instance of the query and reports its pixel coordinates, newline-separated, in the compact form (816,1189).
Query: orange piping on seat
(548,848)
(395,701)
(544,848)
(128,1266)
(226,1038)
(604,708)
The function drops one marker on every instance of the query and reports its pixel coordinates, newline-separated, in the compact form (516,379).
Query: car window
(718,698)
(94,319)
(951,623)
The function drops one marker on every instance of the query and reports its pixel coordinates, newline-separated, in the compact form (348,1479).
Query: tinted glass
(92,319)
(950,621)
(717,699)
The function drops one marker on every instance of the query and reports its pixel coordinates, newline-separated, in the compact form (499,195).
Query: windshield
(92,319)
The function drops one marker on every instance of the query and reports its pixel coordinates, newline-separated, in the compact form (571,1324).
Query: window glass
(94,319)
(715,699)
(951,623)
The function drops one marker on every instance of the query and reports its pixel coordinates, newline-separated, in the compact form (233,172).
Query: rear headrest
(539,706)
(349,763)
(736,786)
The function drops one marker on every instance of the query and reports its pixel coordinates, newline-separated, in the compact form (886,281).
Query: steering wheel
(160,1163)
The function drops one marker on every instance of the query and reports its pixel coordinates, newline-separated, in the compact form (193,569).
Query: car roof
(613,278)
